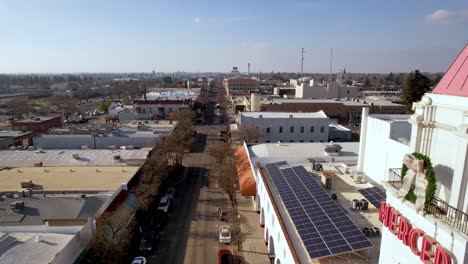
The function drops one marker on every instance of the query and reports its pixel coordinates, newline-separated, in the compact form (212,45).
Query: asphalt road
(191,235)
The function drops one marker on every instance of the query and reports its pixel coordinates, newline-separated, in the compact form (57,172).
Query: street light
(94,139)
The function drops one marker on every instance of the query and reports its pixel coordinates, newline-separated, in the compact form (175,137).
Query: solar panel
(322,225)
(374,195)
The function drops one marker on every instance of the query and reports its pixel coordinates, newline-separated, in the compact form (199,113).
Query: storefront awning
(244,171)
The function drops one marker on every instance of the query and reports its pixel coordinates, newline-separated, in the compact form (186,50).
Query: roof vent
(17,205)
(76,156)
(290,116)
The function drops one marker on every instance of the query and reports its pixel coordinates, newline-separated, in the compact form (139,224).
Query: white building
(288,127)
(288,240)
(160,104)
(439,130)
(307,88)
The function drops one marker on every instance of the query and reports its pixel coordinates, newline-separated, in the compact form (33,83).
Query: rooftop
(455,80)
(329,101)
(62,179)
(320,210)
(302,153)
(89,157)
(36,119)
(391,118)
(172,95)
(13,133)
(241,80)
(37,209)
(24,248)
(319,114)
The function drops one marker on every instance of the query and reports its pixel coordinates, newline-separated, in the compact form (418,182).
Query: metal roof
(455,80)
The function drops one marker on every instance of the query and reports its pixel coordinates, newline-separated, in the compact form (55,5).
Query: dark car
(148,241)
(225,256)
(159,219)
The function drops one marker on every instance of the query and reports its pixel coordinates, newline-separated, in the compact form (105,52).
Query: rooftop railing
(436,207)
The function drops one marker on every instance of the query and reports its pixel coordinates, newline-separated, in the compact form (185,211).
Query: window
(311,140)
(312,129)
(302,141)
(302,129)
(268,130)
(291,129)
(291,141)
(322,129)
(268,141)
(281,129)
(347,91)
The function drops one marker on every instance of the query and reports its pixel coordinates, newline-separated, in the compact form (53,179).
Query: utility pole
(248,69)
(331,65)
(302,62)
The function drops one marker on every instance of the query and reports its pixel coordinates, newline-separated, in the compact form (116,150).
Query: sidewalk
(253,245)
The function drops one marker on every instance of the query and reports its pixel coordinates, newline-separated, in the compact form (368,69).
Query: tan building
(240,86)
(347,112)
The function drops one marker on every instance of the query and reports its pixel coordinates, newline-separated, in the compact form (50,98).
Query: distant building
(240,86)
(345,111)
(307,88)
(160,104)
(17,138)
(288,127)
(38,124)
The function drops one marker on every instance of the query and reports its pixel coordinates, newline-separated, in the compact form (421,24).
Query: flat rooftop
(329,101)
(37,209)
(36,119)
(347,190)
(89,157)
(24,248)
(391,118)
(302,153)
(319,114)
(62,179)
(13,133)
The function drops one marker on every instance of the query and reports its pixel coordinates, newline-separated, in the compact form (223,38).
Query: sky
(67,36)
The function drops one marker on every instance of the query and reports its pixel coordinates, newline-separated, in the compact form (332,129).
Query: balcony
(436,207)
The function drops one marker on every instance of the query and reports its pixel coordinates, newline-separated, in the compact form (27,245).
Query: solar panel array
(322,225)
(374,195)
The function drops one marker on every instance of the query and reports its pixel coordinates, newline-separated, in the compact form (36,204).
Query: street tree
(415,87)
(20,107)
(247,133)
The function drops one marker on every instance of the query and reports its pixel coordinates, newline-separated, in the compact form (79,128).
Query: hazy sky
(192,35)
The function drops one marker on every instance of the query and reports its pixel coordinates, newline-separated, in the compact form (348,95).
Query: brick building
(38,124)
(240,86)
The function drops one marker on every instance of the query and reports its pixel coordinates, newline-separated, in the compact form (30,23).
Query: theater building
(431,226)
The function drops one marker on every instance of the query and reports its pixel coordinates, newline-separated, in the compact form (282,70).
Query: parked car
(148,241)
(225,256)
(171,193)
(224,234)
(139,260)
(159,219)
(164,204)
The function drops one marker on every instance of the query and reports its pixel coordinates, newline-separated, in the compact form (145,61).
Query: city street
(191,235)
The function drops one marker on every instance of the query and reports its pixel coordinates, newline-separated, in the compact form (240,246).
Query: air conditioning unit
(76,156)
(116,157)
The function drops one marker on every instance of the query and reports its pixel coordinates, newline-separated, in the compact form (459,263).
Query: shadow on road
(200,143)
(174,238)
